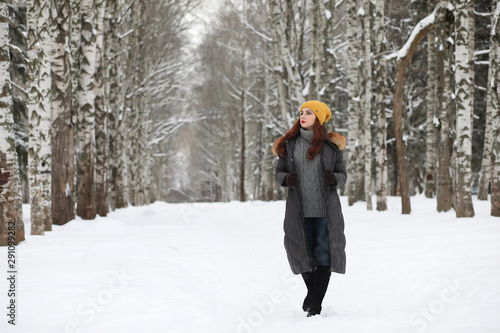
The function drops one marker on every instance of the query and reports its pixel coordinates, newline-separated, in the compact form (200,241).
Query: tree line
(412,85)
(104,105)
(87,91)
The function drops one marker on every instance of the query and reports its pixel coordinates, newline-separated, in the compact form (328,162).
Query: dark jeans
(318,239)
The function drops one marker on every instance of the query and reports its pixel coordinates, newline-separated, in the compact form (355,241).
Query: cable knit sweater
(313,191)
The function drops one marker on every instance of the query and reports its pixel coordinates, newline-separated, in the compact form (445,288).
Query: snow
(425,22)
(436,121)
(328,14)
(496,18)
(221,267)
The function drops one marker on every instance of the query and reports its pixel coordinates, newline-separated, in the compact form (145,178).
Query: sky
(202,17)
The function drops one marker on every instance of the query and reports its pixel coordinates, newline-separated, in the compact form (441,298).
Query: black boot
(309,278)
(320,286)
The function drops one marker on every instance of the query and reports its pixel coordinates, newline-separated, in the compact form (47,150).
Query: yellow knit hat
(321,110)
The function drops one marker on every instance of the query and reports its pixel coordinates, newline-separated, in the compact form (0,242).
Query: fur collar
(333,137)
(336,139)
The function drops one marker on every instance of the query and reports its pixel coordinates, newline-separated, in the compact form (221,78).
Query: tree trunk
(315,70)
(39,83)
(278,69)
(63,152)
(353,104)
(134,120)
(11,213)
(86,208)
(445,53)
(404,58)
(101,135)
(398,134)
(381,76)
(471,43)
(495,99)
(75,40)
(486,164)
(464,206)
(285,52)
(484,181)
(242,148)
(327,11)
(368,104)
(430,152)
(118,190)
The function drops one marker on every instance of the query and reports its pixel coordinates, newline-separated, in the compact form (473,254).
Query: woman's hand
(291,179)
(330,177)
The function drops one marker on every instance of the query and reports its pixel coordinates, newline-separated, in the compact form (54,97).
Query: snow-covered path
(221,267)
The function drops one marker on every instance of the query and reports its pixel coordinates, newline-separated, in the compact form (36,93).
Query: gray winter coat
(295,239)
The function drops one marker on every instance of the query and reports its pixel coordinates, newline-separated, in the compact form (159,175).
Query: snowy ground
(221,267)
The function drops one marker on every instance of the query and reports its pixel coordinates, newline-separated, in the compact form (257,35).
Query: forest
(111,103)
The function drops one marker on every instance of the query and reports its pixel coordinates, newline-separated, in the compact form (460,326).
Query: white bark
(381,129)
(39,103)
(278,70)
(115,87)
(326,90)
(63,152)
(316,63)
(430,152)
(132,109)
(368,104)
(494,90)
(484,181)
(10,186)
(101,135)
(285,52)
(463,122)
(354,146)
(445,52)
(86,114)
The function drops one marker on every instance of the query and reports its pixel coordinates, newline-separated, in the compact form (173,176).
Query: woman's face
(307,118)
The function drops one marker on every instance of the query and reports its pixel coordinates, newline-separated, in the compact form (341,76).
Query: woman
(311,165)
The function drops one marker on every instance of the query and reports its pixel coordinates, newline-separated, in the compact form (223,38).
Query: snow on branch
(495,20)
(422,27)
(260,34)
(19,52)
(18,87)
(482,14)
(15,26)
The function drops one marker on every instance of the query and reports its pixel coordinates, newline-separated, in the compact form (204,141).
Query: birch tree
(430,152)
(133,120)
(278,66)
(39,82)
(62,130)
(11,214)
(486,171)
(354,146)
(101,135)
(486,162)
(445,76)
(494,89)
(368,54)
(86,207)
(381,75)
(329,62)
(116,85)
(317,31)
(74,48)
(284,50)
(463,145)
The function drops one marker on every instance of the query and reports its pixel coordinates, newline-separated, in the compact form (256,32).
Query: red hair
(317,141)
